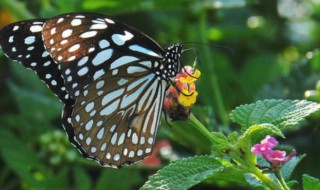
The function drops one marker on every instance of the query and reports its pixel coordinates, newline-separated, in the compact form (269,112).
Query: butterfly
(110,76)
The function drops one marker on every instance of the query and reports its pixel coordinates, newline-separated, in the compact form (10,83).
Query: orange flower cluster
(182,94)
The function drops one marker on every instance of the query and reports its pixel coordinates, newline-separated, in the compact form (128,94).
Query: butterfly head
(171,60)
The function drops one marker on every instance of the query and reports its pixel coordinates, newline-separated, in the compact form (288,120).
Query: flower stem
(266,180)
(200,127)
(281,180)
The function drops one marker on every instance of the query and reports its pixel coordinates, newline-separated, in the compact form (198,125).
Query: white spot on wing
(29,39)
(102,56)
(74,48)
(88,34)
(109,20)
(140,152)
(98,26)
(83,71)
(148,150)
(135,69)
(60,20)
(103,44)
(114,138)
(100,133)
(66,33)
(111,96)
(10,39)
(76,22)
(134,138)
(98,74)
(121,139)
(89,107)
(143,50)
(120,39)
(83,61)
(110,109)
(131,154)
(103,146)
(15,28)
(116,157)
(122,61)
(36,28)
(89,125)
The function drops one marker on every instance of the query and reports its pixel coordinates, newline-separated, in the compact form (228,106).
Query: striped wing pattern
(111,77)
(116,118)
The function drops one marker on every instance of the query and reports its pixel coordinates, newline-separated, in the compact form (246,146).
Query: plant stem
(199,126)
(265,179)
(281,180)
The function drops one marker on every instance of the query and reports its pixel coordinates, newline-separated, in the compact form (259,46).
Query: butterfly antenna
(196,60)
(211,45)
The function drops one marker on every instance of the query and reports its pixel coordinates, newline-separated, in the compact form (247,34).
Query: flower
(182,94)
(266,145)
(261,148)
(276,158)
(270,140)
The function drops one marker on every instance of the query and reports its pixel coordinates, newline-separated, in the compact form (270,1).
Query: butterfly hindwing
(116,118)
(22,41)
(85,45)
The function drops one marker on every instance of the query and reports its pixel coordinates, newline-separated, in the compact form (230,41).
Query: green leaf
(230,173)
(184,173)
(289,166)
(257,132)
(221,144)
(282,113)
(310,183)
(254,181)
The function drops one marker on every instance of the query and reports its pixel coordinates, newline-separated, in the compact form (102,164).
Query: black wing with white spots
(113,78)
(22,42)
(86,45)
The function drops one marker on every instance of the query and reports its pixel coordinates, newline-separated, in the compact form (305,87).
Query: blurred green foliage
(273,53)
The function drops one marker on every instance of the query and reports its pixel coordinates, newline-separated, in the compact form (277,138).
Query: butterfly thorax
(171,61)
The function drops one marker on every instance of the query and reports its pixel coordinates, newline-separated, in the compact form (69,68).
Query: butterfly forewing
(111,77)
(22,41)
(85,45)
(116,118)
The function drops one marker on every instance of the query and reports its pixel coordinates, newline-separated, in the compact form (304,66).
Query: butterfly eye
(111,77)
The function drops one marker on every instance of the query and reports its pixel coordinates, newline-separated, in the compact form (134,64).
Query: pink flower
(276,158)
(266,145)
(261,148)
(270,140)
